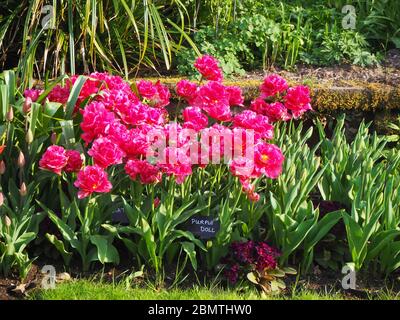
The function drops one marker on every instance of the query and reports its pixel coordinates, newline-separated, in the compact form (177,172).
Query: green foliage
(293,221)
(83,289)
(347,161)
(227,49)
(20,159)
(229,222)
(125,35)
(80,228)
(92,289)
(23,136)
(368,182)
(158,230)
(247,35)
(248,43)
(373,225)
(377,20)
(362,175)
(344,47)
(394,128)
(87,35)
(19,226)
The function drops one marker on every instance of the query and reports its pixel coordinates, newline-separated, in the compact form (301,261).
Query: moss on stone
(348,95)
(345,95)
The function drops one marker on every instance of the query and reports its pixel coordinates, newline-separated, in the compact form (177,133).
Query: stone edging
(350,95)
(361,96)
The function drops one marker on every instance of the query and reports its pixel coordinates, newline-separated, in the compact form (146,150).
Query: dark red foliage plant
(256,261)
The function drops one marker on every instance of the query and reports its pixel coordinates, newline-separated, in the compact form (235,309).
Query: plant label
(119,216)
(203,227)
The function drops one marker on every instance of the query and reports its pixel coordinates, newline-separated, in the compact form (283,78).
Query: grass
(88,290)
(91,290)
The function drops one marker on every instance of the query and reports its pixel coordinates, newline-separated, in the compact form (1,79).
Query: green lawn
(91,290)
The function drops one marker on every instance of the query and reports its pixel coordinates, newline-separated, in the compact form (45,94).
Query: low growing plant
(258,261)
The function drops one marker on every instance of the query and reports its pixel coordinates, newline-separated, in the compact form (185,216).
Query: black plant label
(203,227)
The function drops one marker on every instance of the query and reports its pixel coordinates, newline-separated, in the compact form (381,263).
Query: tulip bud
(21,160)
(23,191)
(1,199)
(53,138)
(7,221)
(26,107)
(29,137)
(10,114)
(2,167)
(157,202)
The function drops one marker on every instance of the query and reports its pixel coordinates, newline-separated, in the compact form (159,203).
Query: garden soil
(388,72)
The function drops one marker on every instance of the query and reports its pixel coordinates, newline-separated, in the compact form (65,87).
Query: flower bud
(2,147)
(2,167)
(26,107)
(29,136)
(53,138)
(7,221)
(1,199)
(10,114)
(157,202)
(21,160)
(22,190)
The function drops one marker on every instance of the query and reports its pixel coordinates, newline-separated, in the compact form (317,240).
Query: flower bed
(105,167)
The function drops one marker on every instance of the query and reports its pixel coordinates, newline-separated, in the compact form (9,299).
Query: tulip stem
(62,204)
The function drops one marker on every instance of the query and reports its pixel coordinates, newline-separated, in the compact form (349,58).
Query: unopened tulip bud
(21,160)
(1,199)
(26,107)
(29,137)
(53,138)
(10,114)
(23,191)
(7,221)
(2,167)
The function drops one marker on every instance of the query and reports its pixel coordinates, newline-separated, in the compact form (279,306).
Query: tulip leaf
(106,252)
